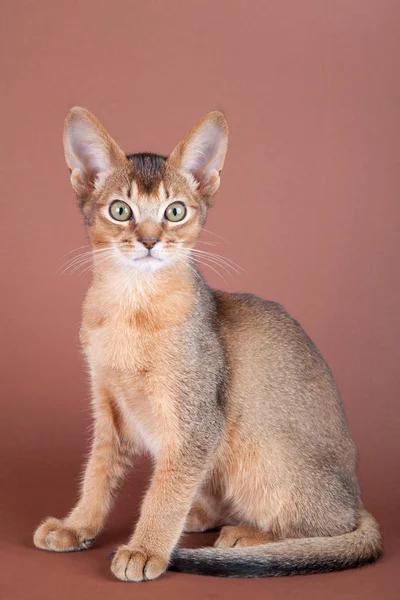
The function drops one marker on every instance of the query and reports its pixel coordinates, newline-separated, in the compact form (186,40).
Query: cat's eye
(175,212)
(120,211)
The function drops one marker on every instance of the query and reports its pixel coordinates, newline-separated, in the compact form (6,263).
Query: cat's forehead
(145,177)
(147,171)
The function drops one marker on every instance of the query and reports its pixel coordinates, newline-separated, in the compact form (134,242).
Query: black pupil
(176,211)
(120,210)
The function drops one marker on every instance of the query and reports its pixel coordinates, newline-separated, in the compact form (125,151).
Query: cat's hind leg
(205,513)
(242,535)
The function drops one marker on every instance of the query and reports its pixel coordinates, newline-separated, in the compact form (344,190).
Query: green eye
(120,211)
(175,212)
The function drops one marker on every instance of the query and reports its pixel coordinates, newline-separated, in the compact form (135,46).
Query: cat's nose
(149,242)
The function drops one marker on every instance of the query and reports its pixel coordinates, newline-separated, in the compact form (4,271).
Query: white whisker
(216,263)
(181,261)
(206,243)
(216,257)
(216,235)
(79,248)
(101,260)
(76,259)
(209,266)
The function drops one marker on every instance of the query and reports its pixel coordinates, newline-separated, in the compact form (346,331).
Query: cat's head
(146,209)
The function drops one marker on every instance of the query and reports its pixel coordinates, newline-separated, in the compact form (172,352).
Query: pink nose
(149,242)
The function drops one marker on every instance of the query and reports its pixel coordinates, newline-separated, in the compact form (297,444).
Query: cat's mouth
(147,257)
(147,262)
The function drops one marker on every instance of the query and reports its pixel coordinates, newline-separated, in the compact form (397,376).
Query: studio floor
(41,483)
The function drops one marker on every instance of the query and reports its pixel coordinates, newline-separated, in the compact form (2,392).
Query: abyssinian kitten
(226,391)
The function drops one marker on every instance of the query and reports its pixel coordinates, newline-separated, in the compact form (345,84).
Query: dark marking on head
(147,170)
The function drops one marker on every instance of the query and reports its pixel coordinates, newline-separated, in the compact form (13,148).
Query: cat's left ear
(201,154)
(90,152)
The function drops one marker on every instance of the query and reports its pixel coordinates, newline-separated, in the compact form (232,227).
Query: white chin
(148,264)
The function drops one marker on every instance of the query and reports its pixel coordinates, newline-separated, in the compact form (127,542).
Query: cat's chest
(132,330)
(131,364)
(139,413)
(117,345)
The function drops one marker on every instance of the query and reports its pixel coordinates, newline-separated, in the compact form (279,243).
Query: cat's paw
(235,536)
(135,564)
(54,536)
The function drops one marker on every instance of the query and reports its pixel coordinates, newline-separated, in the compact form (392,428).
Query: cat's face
(147,211)
(144,211)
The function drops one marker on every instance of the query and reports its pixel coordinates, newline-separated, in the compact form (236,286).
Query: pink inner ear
(89,150)
(204,153)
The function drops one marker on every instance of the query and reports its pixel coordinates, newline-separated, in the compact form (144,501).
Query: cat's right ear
(91,154)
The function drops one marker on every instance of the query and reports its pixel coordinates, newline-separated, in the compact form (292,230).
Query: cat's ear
(201,154)
(91,154)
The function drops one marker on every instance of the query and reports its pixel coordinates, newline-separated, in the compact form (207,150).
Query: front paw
(53,535)
(136,564)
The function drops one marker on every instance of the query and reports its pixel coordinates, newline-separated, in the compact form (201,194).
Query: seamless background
(309,206)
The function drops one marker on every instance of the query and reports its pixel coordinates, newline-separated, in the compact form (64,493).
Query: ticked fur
(226,391)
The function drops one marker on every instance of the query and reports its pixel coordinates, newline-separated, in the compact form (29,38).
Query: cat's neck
(165,296)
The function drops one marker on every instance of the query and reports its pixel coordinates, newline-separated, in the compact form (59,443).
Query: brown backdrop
(308,204)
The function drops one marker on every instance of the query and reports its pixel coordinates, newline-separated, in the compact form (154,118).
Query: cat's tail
(288,557)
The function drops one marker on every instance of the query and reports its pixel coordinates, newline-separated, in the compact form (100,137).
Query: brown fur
(226,391)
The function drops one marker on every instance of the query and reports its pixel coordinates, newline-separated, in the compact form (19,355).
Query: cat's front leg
(175,482)
(108,461)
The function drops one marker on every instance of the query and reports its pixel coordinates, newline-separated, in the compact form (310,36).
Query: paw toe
(131,564)
(154,567)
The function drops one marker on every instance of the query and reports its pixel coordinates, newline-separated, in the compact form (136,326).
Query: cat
(226,391)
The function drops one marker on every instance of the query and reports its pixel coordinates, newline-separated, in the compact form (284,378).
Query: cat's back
(247,316)
(269,337)
(277,369)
